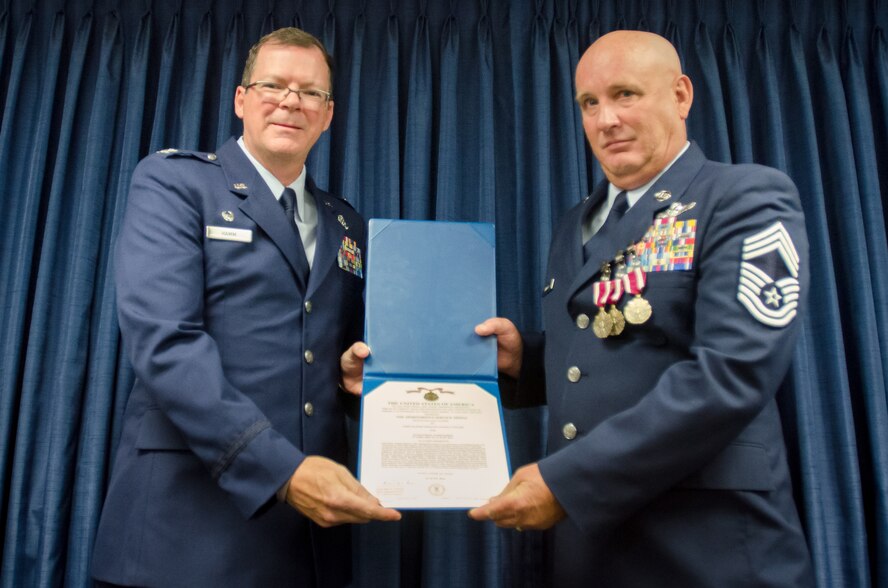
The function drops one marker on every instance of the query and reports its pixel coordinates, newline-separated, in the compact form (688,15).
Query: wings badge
(769,272)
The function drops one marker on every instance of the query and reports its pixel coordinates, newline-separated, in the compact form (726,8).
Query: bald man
(671,309)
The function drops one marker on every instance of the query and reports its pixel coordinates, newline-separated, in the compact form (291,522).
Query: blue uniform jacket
(667,451)
(235,348)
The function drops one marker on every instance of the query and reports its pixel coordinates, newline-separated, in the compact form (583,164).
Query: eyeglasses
(272,92)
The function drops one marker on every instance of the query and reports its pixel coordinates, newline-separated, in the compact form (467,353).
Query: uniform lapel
(260,205)
(640,217)
(331,230)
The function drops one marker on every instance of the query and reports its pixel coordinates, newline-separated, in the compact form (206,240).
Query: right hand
(328,494)
(509,347)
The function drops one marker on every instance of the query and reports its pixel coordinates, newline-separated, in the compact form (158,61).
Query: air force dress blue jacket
(665,445)
(235,348)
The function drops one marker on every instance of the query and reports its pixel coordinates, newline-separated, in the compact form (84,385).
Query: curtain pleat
(875,352)
(319,158)
(50,401)
(447,196)
(417,176)
(352,156)
(103,341)
(459,110)
(232,67)
(737,102)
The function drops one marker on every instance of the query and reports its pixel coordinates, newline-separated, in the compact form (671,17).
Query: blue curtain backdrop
(451,110)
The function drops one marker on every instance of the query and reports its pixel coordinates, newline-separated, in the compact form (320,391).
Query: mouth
(616,144)
(286,126)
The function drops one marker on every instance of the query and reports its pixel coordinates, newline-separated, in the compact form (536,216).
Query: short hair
(287,36)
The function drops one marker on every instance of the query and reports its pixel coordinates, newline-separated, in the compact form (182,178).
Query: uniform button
(309,356)
(307,306)
(211,156)
(583,320)
(574,373)
(569,431)
(309,409)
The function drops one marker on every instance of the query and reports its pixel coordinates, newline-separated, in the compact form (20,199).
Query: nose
(607,116)
(292,100)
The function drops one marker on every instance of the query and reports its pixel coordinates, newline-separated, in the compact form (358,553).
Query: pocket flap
(157,432)
(738,467)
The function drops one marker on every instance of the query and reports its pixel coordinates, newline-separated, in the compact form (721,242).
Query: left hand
(525,503)
(351,367)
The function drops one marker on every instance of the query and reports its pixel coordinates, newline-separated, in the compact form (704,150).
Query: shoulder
(167,160)
(748,175)
(335,202)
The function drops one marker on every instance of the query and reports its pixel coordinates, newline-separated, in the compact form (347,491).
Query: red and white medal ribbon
(634,281)
(602,292)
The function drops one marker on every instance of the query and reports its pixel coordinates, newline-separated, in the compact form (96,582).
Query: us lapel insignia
(239,186)
(227,216)
(663,195)
(342,222)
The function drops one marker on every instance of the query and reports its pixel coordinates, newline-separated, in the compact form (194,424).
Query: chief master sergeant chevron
(668,329)
(234,310)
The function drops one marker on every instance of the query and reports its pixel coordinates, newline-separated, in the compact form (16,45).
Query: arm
(168,316)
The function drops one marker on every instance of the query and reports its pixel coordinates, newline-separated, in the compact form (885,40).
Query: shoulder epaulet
(209,157)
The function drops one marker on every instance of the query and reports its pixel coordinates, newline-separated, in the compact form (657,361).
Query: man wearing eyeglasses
(239,285)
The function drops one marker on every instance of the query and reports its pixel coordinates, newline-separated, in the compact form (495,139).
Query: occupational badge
(769,270)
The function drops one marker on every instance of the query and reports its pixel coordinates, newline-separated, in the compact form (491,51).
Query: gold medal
(638,310)
(619,322)
(603,324)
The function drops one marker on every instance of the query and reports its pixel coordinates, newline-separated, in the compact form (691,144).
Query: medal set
(628,278)
(668,245)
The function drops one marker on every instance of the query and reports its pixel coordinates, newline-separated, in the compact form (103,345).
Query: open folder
(432,432)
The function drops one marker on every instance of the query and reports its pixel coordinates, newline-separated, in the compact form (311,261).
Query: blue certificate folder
(427,285)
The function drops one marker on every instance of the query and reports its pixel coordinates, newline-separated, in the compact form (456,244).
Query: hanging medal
(619,321)
(603,323)
(638,310)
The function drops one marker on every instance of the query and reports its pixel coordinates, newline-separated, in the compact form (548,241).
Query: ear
(239,96)
(329,116)
(684,95)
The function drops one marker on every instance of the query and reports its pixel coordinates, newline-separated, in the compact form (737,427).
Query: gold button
(307,306)
(574,373)
(583,320)
(309,409)
(569,431)
(211,156)
(309,356)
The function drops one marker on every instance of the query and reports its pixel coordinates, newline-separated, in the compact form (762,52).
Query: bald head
(634,100)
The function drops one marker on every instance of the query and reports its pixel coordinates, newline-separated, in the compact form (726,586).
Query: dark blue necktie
(619,208)
(288,201)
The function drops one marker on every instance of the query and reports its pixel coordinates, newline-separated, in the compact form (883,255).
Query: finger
(360,349)
(491,326)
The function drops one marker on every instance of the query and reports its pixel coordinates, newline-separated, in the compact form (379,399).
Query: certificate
(432,445)
(432,432)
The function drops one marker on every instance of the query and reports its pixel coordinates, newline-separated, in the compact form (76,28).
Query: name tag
(229,234)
